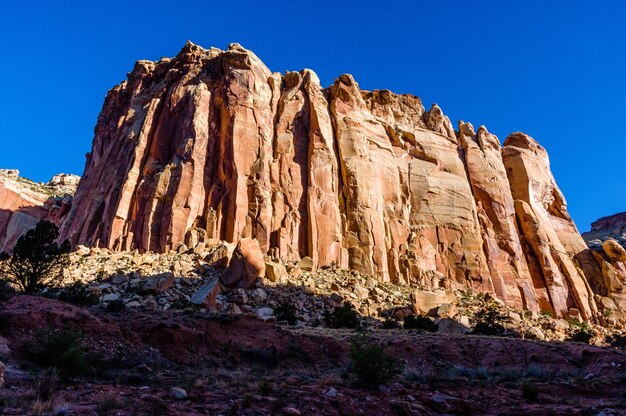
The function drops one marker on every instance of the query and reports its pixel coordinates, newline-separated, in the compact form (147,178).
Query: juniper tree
(37,261)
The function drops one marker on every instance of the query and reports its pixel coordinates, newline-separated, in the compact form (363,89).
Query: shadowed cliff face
(212,145)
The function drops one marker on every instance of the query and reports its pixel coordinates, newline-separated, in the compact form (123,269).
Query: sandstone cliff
(24,202)
(212,145)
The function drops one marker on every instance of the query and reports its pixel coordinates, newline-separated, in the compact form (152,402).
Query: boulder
(118,279)
(451,326)
(158,283)
(265,313)
(276,272)
(207,294)
(220,255)
(427,302)
(306,264)
(614,251)
(110,297)
(178,393)
(246,266)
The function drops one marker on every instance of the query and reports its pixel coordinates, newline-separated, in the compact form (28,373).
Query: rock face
(24,202)
(613,226)
(607,239)
(211,145)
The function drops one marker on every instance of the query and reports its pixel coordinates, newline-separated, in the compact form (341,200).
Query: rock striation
(212,145)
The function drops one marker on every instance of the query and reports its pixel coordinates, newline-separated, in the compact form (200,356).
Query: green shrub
(78,294)
(420,322)
(38,261)
(390,323)
(583,334)
(488,321)
(59,349)
(286,312)
(617,341)
(370,364)
(343,317)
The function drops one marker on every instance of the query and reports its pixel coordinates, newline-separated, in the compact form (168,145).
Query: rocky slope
(24,202)
(188,363)
(211,145)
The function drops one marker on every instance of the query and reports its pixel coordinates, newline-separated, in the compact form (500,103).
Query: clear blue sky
(553,69)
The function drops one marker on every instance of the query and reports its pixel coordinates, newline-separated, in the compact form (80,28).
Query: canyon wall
(23,203)
(212,145)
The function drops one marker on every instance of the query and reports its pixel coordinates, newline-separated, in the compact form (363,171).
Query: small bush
(617,341)
(268,357)
(420,322)
(583,334)
(530,392)
(343,317)
(38,261)
(78,294)
(286,312)
(370,364)
(489,322)
(108,403)
(59,349)
(390,323)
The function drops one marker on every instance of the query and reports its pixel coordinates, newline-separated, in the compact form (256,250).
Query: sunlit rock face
(23,203)
(212,145)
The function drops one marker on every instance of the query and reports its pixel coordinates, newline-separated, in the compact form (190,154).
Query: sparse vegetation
(58,349)
(108,403)
(77,294)
(420,322)
(488,321)
(582,334)
(370,364)
(38,261)
(617,341)
(286,312)
(343,317)
(390,323)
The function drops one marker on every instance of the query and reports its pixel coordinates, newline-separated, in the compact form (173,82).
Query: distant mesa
(611,227)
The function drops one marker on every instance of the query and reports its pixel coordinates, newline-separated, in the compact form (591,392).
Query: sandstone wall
(212,144)
(23,203)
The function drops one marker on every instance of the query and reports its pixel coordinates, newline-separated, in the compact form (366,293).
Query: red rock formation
(23,203)
(212,145)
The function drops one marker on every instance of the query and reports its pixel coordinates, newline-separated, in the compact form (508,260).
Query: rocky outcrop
(211,145)
(613,226)
(24,202)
